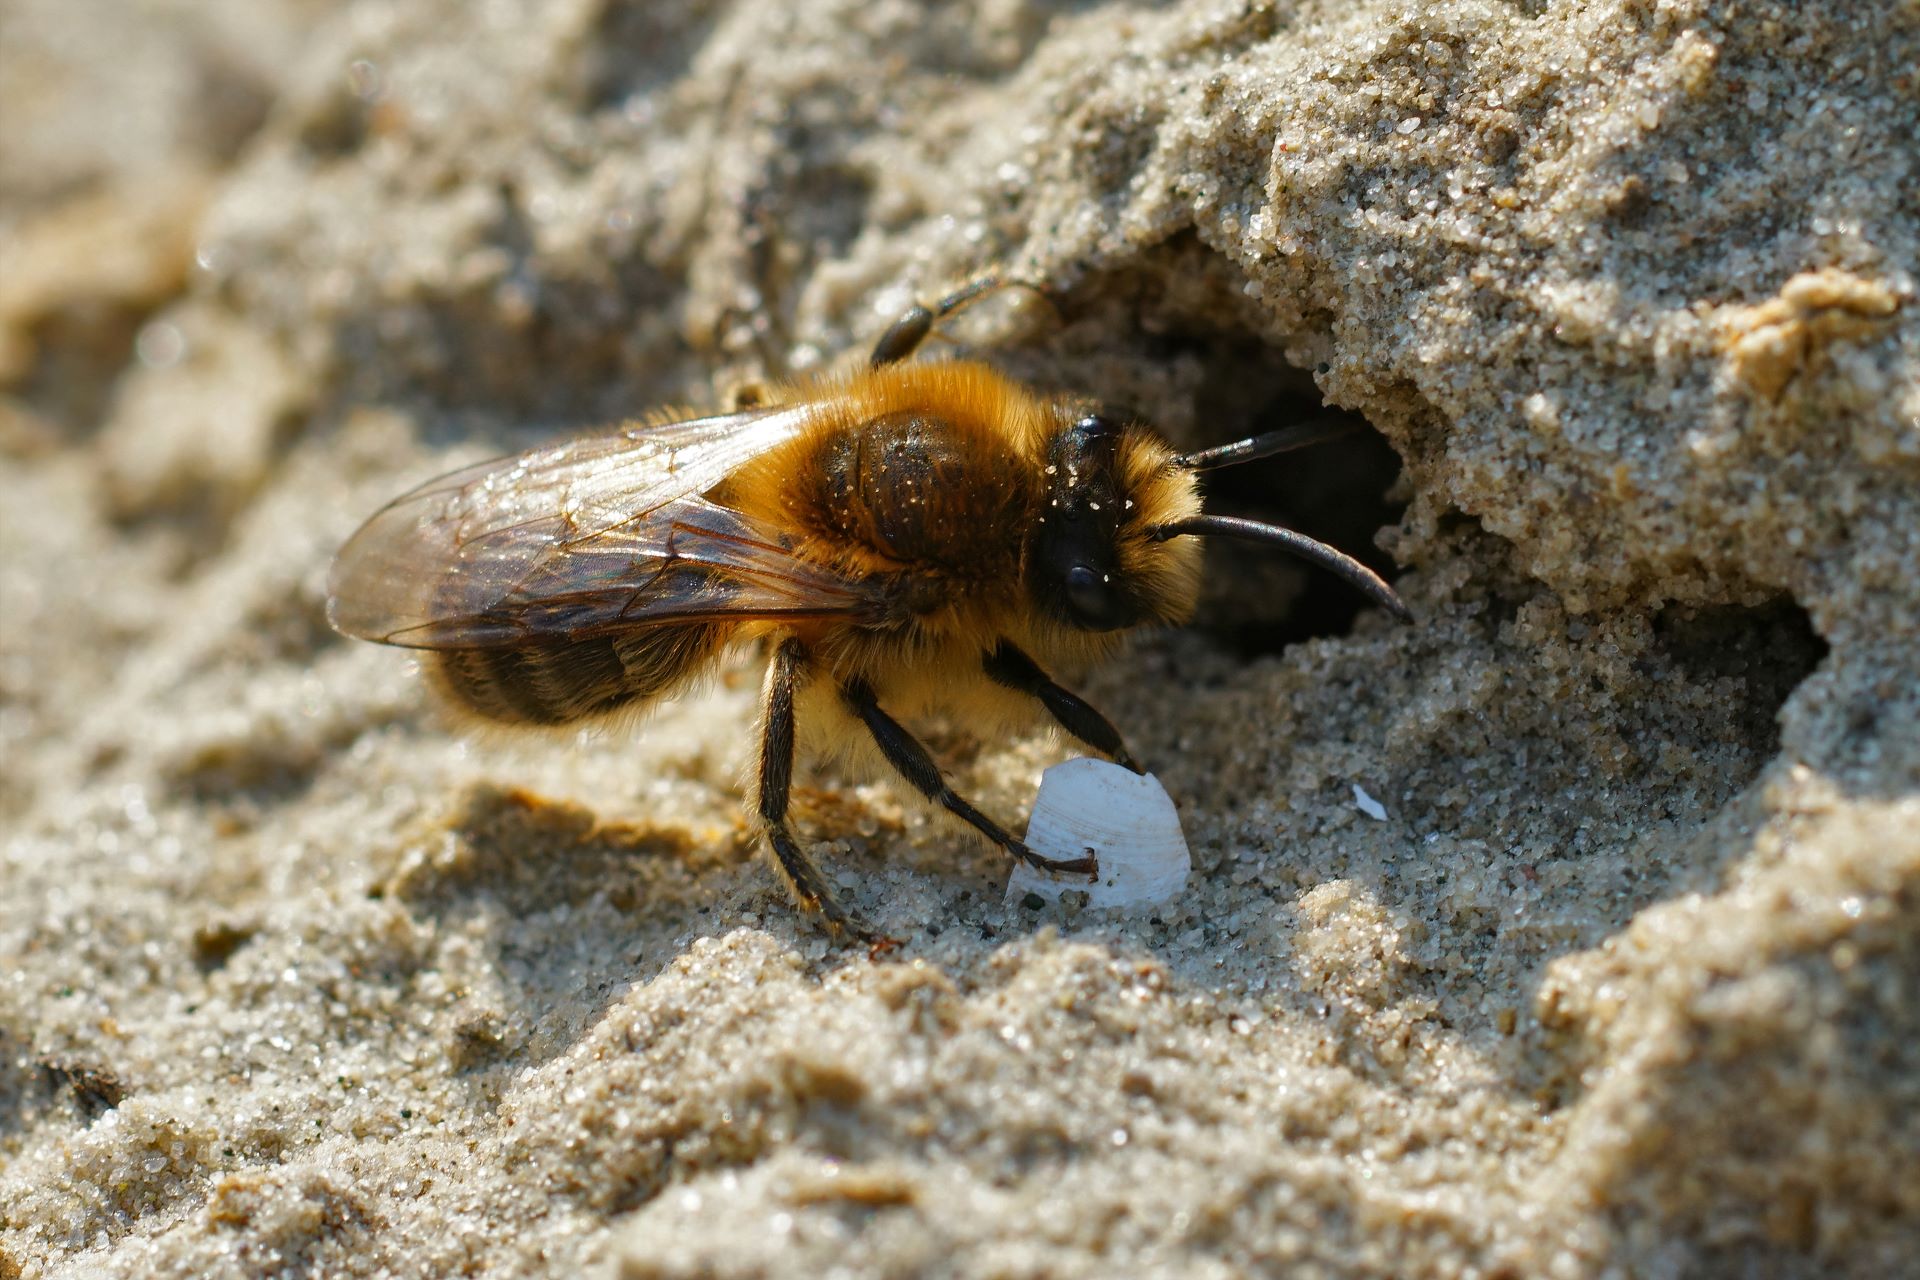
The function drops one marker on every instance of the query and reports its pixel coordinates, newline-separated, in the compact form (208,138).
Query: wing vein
(602,533)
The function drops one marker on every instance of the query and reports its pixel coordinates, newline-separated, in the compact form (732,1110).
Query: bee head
(1093,561)
(1117,543)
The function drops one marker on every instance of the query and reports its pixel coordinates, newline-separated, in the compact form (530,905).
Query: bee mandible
(909,538)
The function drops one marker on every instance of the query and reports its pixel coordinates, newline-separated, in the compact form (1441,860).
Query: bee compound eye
(1087,596)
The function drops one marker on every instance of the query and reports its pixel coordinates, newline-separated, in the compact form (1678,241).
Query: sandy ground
(293,981)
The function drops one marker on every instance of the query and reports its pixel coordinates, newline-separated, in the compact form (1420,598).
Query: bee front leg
(912,761)
(1011,667)
(776,783)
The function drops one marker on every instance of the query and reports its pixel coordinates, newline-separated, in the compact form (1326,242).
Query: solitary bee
(908,538)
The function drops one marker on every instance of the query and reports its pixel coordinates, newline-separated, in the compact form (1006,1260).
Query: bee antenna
(1311,550)
(1254,448)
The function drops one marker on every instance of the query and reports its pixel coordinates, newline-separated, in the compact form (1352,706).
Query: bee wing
(597,533)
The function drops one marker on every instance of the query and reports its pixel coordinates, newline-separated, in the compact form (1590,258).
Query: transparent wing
(593,534)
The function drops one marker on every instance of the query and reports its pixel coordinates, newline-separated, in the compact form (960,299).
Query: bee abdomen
(659,662)
(529,684)
(557,682)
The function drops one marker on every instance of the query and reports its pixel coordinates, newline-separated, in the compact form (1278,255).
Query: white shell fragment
(1368,805)
(1128,822)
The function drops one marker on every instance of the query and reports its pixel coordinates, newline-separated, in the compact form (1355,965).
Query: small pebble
(1125,818)
(1368,805)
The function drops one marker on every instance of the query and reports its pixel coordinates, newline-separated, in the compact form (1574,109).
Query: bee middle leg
(776,784)
(1010,666)
(912,761)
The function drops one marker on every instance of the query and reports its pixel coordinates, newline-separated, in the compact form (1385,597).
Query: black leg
(906,334)
(912,761)
(776,782)
(1009,666)
(749,393)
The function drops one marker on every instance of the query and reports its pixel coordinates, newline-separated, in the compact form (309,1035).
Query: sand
(293,980)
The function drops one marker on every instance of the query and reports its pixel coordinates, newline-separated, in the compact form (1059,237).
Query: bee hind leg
(747,393)
(904,336)
(809,887)
(911,760)
(1009,666)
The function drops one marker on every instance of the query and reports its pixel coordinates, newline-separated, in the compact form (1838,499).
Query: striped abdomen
(551,682)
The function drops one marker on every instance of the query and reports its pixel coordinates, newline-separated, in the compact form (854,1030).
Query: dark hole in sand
(1257,600)
(1769,649)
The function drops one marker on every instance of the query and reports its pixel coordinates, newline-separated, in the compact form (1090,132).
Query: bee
(916,536)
